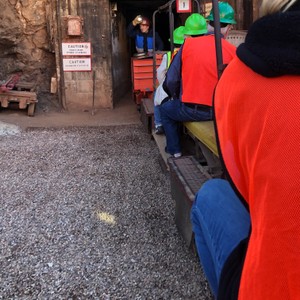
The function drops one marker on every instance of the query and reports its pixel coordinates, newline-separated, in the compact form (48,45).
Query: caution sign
(77,64)
(79,49)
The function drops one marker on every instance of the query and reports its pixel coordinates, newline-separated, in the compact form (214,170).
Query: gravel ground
(86,213)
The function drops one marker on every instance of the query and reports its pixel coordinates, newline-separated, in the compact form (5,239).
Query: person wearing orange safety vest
(247,227)
(160,94)
(190,80)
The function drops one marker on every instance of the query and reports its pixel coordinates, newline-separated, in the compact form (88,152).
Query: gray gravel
(86,213)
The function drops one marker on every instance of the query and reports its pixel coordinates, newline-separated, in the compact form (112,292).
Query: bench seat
(187,177)
(204,132)
(147,114)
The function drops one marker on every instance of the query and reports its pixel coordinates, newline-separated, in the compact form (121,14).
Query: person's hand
(137,20)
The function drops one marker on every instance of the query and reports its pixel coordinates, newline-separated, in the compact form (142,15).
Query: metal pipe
(217,34)
(171,26)
(198,6)
(154,51)
(167,5)
(94,87)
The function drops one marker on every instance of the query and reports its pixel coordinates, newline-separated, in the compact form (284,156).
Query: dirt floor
(50,115)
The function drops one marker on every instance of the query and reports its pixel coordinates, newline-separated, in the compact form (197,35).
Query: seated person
(160,94)
(191,79)
(247,229)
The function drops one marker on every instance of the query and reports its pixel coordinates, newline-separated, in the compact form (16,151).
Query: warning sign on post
(77,64)
(77,49)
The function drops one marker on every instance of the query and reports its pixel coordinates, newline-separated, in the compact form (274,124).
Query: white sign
(83,49)
(77,64)
(183,6)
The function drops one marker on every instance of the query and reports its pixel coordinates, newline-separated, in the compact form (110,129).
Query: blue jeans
(220,221)
(157,118)
(172,113)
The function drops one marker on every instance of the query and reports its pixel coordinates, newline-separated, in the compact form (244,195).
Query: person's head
(269,7)
(226,18)
(195,25)
(178,36)
(145,24)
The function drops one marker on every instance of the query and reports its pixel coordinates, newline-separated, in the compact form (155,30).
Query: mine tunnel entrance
(125,12)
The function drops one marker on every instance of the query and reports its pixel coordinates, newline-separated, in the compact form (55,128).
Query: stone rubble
(86,213)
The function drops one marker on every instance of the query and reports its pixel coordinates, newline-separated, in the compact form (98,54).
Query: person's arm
(172,83)
(131,28)
(162,69)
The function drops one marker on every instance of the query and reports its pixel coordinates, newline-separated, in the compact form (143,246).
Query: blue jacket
(135,32)
(172,82)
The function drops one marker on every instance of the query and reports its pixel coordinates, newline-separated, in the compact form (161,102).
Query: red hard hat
(145,21)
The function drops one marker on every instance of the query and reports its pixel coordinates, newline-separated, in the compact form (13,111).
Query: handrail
(168,6)
(217,34)
(171,26)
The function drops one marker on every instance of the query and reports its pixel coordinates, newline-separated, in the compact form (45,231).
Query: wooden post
(58,56)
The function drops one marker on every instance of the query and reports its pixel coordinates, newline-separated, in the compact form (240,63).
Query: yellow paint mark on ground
(107,218)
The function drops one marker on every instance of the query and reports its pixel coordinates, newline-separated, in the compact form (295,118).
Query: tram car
(143,75)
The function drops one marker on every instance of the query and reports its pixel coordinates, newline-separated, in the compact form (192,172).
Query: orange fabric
(258,125)
(199,72)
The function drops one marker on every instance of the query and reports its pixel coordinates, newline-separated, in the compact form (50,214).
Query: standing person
(190,80)
(160,94)
(257,115)
(140,30)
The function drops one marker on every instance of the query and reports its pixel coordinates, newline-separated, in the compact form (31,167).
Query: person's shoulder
(151,31)
(228,45)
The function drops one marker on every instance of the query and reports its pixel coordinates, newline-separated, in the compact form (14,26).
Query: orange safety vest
(199,68)
(258,128)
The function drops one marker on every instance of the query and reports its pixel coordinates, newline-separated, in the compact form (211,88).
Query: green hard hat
(178,35)
(195,24)
(226,13)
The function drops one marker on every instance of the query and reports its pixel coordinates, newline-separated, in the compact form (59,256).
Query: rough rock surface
(24,42)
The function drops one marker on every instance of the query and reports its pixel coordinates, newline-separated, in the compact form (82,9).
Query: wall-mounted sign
(183,6)
(83,49)
(77,64)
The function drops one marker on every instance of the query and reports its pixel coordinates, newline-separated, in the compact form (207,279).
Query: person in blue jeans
(191,79)
(160,94)
(220,223)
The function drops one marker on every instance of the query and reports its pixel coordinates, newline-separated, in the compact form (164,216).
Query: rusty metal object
(10,83)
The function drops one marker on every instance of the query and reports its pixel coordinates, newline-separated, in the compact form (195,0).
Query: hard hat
(226,13)
(145,20)
(178,35)
(195,24)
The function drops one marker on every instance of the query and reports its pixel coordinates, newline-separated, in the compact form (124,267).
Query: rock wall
(24,42)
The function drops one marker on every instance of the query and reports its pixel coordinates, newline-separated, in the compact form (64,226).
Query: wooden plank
(147,114)
(17,94)
(187,176)
(161,144)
